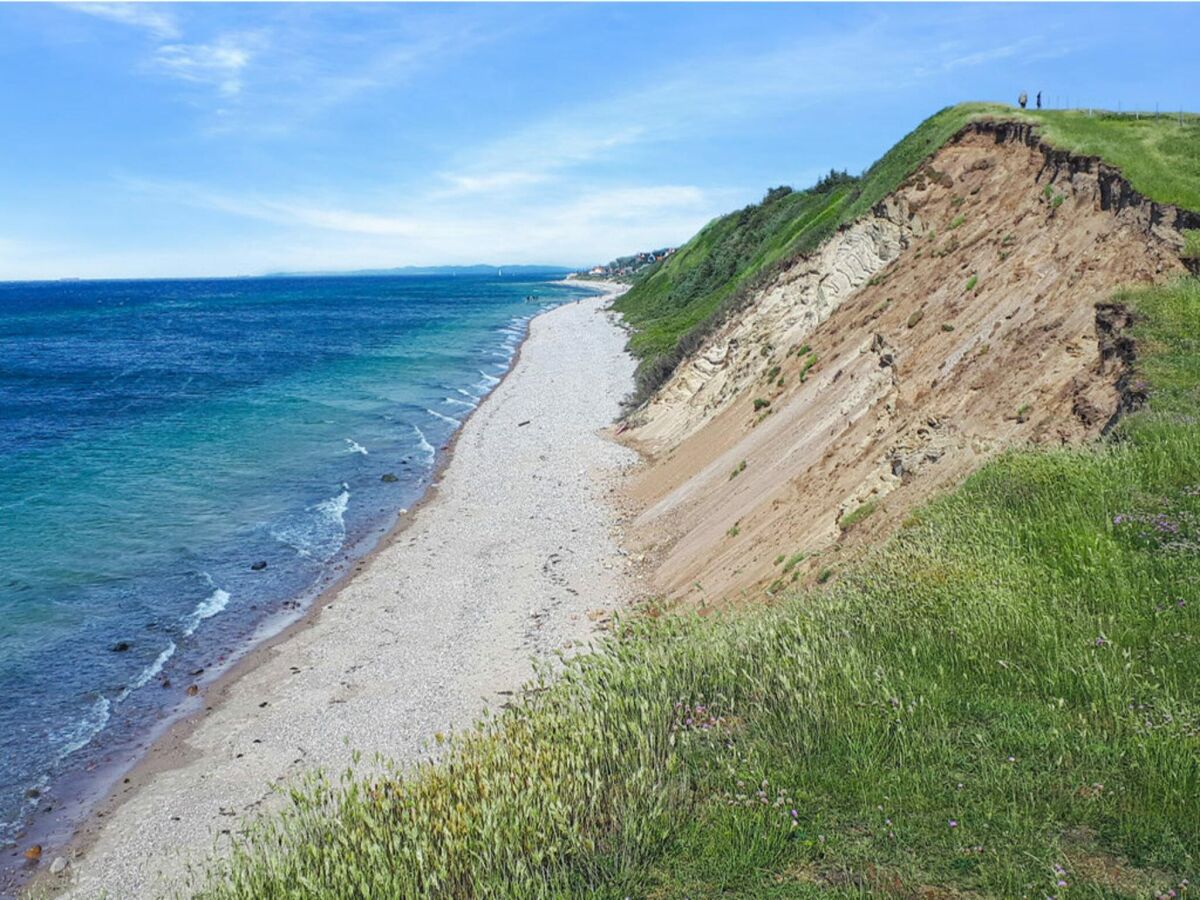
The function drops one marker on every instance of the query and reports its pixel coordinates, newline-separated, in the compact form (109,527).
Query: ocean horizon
(186,463)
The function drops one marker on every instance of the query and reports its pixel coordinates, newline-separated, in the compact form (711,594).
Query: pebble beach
(512,557)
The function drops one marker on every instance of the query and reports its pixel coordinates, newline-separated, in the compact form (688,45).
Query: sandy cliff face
(786,312)
(959,319)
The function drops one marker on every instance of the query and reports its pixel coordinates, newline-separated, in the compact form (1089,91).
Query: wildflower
(1061,883)
(954,823)
(795,814)
(1012,759)
(1101,641)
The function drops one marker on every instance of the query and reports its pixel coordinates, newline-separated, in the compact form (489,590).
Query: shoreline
(170,751)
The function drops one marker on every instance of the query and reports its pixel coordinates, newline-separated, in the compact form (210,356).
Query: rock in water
(120,646)
(389,477)
(258,566)
(34,853)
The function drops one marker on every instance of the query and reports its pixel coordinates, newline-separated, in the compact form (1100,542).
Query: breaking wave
(319,531)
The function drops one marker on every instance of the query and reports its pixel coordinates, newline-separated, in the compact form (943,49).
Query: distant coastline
(520,271)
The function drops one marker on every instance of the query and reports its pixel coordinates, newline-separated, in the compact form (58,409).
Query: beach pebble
(59,864)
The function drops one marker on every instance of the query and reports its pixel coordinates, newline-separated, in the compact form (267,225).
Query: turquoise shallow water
(161,439)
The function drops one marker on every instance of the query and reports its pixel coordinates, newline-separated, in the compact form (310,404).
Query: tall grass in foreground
(1002,700)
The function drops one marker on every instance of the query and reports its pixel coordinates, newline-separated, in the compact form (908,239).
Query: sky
(179,140)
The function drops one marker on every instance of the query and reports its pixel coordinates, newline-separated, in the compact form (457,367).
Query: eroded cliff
(958,319)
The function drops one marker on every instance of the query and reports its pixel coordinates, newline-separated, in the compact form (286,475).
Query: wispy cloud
(220,64)
(152,19)
(289,212)
(580,226)
(687,102)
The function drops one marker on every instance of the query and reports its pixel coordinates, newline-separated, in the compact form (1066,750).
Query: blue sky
(149,140)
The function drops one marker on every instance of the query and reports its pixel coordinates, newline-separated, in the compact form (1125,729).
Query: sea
(185,464)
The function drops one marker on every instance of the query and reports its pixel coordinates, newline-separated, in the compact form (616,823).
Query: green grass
(675,304)
(1158,156)
(852,518)
(1191,249)
(792,561)
(1003,696)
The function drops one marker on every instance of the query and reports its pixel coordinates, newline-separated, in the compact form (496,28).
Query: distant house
(596,270)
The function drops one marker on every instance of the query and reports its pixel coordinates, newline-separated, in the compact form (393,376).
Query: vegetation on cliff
(675,304)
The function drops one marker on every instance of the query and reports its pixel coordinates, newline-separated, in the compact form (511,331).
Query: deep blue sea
(160,438)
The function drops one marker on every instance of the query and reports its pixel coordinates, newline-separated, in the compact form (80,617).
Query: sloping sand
(514,548)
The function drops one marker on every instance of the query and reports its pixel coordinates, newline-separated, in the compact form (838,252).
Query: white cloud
(462,184)
(219,64)
(299,213)
(153,19)
(587,225)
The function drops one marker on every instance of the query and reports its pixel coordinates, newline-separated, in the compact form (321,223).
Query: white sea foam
(447,419)
(460,402)
(467,393)
(151,670)
(80,734)
(426,447)
(489,380)
(354,446)
(319,531)
(206,608)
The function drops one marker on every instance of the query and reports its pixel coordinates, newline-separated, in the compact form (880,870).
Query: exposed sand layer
(505,562)
(958,319)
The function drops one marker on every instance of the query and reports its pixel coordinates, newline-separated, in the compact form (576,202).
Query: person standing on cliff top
(1039,100)
(1023,99)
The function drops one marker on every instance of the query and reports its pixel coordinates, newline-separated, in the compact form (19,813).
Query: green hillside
(674,304)
(1003,700)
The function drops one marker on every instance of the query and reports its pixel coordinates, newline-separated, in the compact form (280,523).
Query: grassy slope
(1005,696)
(675,303)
